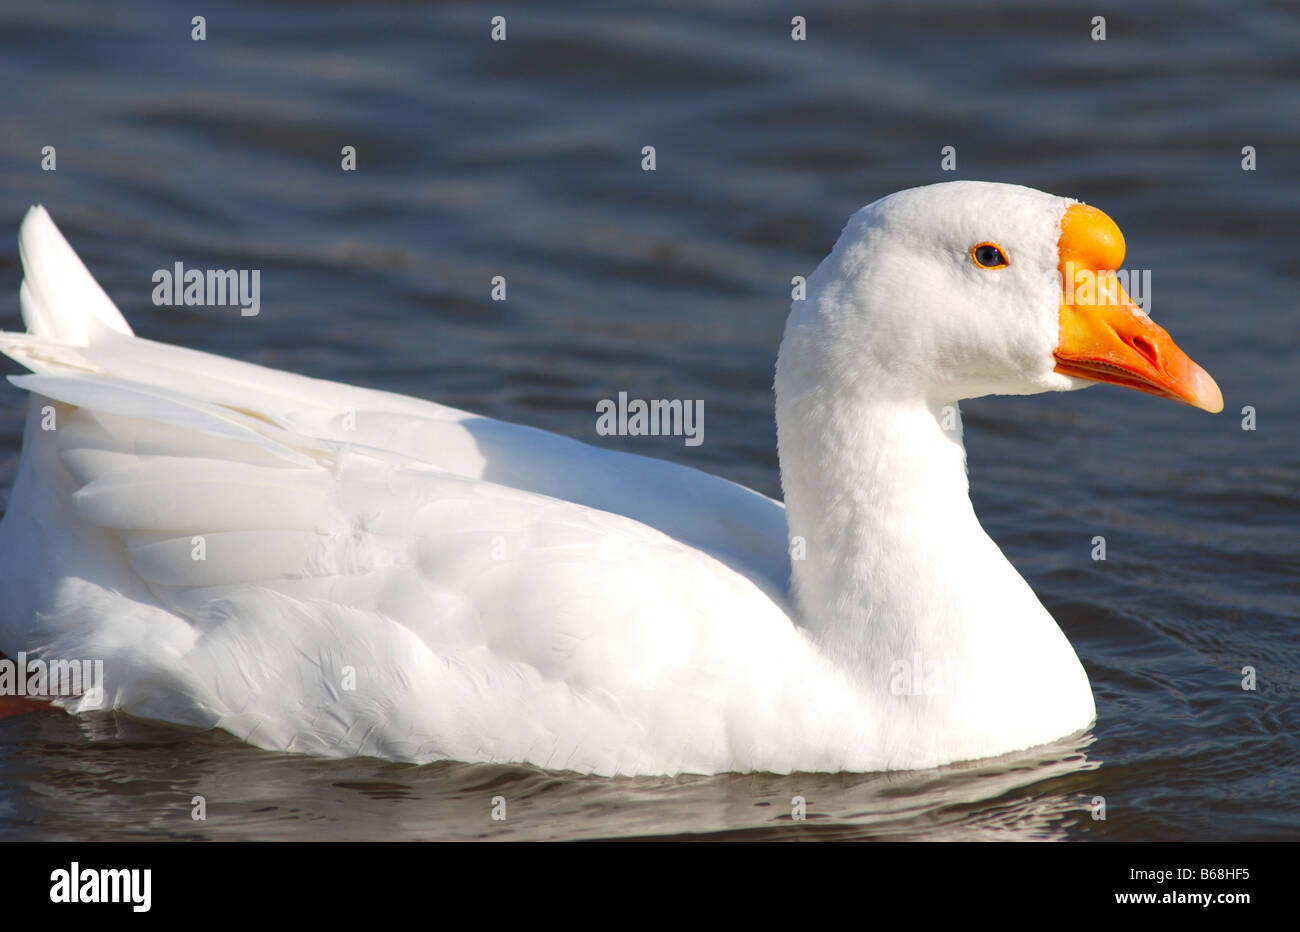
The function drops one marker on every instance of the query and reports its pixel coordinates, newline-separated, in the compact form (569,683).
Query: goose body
(321,568)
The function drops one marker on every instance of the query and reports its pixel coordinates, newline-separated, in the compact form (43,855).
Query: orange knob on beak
(1105,336)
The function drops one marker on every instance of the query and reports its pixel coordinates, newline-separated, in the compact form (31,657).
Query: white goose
(390,577)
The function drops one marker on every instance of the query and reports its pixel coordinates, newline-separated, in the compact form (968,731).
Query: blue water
(522,159)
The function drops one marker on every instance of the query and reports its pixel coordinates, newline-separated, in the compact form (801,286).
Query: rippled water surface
(522,159)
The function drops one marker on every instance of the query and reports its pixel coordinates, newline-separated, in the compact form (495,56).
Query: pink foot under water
(18,705)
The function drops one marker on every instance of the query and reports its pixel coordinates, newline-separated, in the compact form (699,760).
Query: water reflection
(66,766)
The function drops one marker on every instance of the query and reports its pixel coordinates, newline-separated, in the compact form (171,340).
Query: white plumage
(392,577)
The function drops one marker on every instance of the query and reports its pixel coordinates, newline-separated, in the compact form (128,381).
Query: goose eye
(989,256)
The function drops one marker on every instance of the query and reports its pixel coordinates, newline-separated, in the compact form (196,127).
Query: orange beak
(1105,336)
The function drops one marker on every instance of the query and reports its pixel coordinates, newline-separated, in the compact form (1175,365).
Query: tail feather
(60,298)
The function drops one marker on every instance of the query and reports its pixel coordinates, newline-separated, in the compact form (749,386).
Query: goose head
(960,290)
